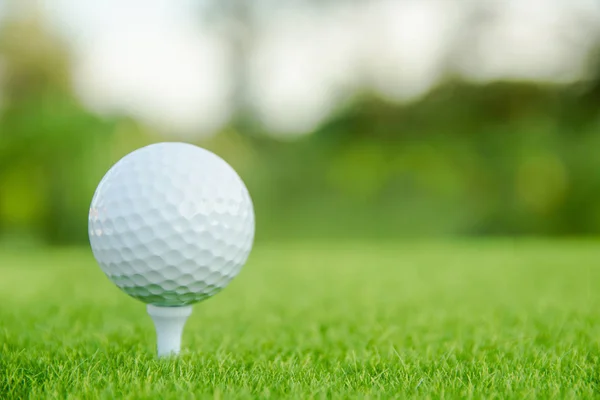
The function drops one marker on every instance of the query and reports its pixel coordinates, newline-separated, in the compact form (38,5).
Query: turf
(472,319)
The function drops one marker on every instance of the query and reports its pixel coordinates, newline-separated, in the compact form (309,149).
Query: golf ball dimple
(171,224)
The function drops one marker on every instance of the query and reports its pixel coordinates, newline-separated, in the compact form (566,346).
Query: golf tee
(169,323)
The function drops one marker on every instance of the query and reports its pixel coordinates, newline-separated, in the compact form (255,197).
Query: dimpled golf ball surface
(171,224)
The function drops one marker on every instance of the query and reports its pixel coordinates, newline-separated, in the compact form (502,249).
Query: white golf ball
(171,224)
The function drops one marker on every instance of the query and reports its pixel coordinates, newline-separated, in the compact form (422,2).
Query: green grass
(476,319)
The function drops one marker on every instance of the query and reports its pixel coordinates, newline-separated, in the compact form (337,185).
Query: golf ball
(171,224)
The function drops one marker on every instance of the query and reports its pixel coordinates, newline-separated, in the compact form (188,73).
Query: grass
(472,319)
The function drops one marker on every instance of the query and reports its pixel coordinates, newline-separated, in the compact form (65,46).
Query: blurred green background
(501,156)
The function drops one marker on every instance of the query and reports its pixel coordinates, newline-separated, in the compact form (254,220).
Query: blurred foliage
(502,159)
(505,159)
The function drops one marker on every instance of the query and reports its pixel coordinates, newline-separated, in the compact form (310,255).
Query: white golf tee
(169,323)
